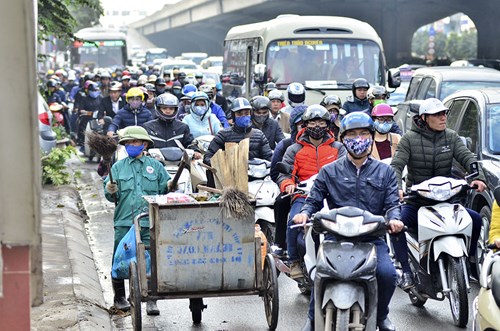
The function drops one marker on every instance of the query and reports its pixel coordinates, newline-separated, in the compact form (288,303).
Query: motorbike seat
(495,282)
(172,154)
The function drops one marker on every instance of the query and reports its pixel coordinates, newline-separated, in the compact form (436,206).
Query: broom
(235,203)
(104,146)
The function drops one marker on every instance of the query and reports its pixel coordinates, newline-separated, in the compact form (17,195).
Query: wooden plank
(241,168)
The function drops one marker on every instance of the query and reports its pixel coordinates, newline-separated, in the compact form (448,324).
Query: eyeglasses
(387,119)
(362,134)
(441,113)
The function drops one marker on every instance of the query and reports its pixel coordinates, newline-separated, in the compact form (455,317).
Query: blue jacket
(278,154)
(125,117)
(217,111)
(353,104)
(374,189)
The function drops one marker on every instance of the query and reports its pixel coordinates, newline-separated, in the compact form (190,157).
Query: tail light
(44,118)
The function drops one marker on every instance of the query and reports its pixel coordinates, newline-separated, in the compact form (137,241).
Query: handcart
(197,251)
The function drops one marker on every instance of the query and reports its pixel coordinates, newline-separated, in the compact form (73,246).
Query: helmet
(276,95)
(115,86)
(240,104)
(93,87)
(87,83)
(382,110)
(378,92)
(51,83)
(149,87)
(207,89)
(431,106)
(188,88)
(142,80)
(135,132)
(198,75)
(134,92)
(296,115)
(329,100)
(168,100)
(210,82)
(156,67)
(182,75)
(125,77)
(259,102)
(316,112)
(152,79)
(199,96)
(160,81)
(50,72)
(359,83)
(270,86)
(218,86)
(356,120)
(72,75)
(105,74)
(296,93)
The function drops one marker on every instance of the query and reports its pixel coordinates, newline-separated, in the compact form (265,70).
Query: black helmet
(259,102)
(240,104)
(360,83)
(51,83)
(160,81)
(167,100)
(331,100)
(181,75)
(270,86)
(316,112)
(356,120)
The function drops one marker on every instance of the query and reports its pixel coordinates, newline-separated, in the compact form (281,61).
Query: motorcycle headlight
(348,226)
(440,192)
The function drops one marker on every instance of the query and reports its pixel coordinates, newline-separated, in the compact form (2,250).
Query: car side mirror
(259,73)
(394,78)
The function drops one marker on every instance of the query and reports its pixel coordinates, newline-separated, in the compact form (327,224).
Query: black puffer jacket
(259,146)
(430,153)
(272,131)
(160,130)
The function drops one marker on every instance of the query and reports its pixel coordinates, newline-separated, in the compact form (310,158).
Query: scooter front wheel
(459,303)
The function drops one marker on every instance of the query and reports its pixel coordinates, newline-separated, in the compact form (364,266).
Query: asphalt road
(232,313)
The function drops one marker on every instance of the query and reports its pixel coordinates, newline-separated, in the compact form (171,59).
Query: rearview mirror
(393,78)
(259,73)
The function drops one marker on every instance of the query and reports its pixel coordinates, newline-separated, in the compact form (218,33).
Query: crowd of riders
(282,128)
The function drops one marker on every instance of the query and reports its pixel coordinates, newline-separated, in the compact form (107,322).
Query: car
(47,136)
(475,116)
(186,66)
(213,63)
(440,82)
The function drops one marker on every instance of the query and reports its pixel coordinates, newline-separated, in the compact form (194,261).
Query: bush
(53,166)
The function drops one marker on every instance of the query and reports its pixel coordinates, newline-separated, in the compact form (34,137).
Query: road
(230,313)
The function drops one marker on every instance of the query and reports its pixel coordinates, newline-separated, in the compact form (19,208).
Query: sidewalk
(73,298)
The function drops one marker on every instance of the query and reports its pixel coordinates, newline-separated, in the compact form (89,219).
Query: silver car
(47,136)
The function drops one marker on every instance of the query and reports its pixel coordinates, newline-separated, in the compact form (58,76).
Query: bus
(99,48)
(152,54)
(324,53)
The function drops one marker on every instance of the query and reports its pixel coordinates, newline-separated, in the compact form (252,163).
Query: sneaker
(278,251)
(296,270)
(407,281)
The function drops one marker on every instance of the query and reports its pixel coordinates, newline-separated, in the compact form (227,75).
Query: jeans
(386,281)
(292,234)
(409,216)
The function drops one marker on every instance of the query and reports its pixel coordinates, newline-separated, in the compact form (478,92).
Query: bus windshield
(324,63)
(150,56)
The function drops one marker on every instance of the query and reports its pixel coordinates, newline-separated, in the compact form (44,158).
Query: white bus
(324,53)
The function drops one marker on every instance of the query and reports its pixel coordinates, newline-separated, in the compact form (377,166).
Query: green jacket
(135,178)
(430,153)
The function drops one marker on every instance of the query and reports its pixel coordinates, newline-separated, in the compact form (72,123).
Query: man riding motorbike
(134,113)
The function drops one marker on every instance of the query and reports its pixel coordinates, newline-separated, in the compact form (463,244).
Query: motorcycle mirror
(474,170)
(283,168)
(107,119)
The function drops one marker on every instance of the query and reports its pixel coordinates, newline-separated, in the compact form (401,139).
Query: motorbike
(438,250)
(486,306)
(198,169)
(93,125)
(172,159)
(344,271)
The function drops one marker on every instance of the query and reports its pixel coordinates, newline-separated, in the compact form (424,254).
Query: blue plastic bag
(126,253)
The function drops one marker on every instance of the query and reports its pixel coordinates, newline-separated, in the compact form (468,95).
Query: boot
(119,289)
(152,308)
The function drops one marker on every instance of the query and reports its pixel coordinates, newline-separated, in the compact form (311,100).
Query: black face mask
(260,119)
(317,132)
(160,90)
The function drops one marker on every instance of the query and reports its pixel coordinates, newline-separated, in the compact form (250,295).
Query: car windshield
(324,63)
(451,87)
(493,120)
(179,65)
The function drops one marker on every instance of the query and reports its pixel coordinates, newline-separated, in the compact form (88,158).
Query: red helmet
(382,109)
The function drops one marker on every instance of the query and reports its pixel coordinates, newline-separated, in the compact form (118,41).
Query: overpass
(201,25)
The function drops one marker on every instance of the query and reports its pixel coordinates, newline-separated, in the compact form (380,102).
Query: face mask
(94,94)
(357,146)
(243,121)
(135,104)
(260,119)
(177,92)
(160,90)
(317,132)
(333,117)
(200,110)
(378,102)
(383,127)
(134,151)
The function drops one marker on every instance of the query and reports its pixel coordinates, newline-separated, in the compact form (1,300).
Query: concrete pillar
(20,171)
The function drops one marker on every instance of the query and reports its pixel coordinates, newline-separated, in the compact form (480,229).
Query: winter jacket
(198,126)
(430,153)
(160,130)
(278,154)
(272,131)
(126,117)
(306,159)
(259,146)
(221,115)
(353,104)
(394,141)
(374,188)
(106,108)
(283,119)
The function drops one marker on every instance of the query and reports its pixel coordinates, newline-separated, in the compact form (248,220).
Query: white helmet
(431,106)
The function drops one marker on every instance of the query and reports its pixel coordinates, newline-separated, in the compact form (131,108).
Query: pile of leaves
(54,168)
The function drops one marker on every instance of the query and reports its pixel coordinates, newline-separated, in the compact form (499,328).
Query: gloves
(112,188)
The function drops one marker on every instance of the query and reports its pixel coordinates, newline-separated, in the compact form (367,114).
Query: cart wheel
(196,306)
(271,298)
(135,298)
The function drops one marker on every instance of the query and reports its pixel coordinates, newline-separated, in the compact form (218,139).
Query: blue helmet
(356,120)
(188,88)
(199,96)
